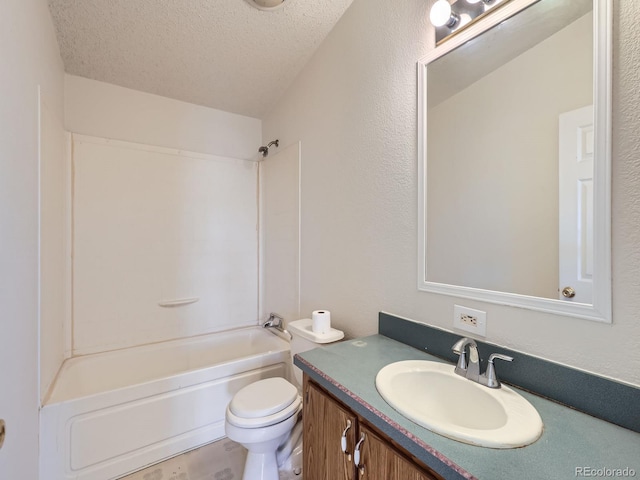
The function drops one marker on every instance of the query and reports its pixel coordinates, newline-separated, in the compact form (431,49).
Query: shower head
(264,150)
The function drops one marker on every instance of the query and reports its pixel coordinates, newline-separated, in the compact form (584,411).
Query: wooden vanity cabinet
(325,420)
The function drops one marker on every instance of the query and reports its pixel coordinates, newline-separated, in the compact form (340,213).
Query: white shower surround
(116,412)
(152,226)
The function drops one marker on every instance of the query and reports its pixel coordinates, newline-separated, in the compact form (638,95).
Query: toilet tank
(304,338)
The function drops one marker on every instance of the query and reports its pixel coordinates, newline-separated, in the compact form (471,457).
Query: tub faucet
(471,369)
(275,321)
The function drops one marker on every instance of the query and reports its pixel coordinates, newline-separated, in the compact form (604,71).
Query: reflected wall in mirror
(514,184)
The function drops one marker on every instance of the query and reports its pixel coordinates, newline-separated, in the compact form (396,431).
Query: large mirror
(514,145)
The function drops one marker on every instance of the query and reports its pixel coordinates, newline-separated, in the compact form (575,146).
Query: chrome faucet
(467,368)
(470,368)
(275,321)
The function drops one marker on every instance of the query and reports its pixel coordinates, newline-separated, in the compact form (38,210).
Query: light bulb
(464,19)
(266,4)
(441,14)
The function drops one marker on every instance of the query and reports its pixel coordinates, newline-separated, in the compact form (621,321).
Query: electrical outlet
(470,320)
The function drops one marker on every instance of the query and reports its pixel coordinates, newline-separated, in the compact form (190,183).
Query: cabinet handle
(356,454)
(343,439)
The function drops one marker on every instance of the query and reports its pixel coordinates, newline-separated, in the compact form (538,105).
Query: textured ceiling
(223,54)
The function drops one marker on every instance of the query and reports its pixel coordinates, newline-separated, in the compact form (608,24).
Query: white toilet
(262,416)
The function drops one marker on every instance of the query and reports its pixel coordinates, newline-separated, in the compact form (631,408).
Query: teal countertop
(572,445)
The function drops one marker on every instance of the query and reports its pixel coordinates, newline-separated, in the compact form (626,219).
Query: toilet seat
(263,398)
(263,403)
(267,421)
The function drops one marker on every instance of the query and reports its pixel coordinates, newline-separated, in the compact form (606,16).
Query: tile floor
(221,460)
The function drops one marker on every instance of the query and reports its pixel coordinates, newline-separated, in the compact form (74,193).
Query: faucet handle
(458,349)
(499,356)
(491,378)
(461,367)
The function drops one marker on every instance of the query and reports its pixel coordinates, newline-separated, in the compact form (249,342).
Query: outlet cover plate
(470,320)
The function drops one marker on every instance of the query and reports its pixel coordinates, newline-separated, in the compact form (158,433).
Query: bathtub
(112,413)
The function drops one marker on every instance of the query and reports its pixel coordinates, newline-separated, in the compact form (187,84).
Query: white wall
(104,110)
(353,108)
(280,233)
(30,57)
(55,261)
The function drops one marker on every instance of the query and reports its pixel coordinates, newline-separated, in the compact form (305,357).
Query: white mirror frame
(600,310)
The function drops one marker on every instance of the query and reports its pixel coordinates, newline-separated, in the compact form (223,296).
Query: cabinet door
(324,421)
(380,461)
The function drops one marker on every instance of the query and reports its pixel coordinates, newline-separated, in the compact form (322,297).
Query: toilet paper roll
(321,321)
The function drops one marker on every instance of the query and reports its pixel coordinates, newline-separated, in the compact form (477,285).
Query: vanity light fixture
(449,18)
(442,15)
(266,4)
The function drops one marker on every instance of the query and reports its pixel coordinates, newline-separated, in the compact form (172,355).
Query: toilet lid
(260,422)
(263,398)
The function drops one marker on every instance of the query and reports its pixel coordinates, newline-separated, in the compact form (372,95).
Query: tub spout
(275,321)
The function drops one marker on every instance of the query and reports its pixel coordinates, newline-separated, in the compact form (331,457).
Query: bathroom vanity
(340,388)
(332,433)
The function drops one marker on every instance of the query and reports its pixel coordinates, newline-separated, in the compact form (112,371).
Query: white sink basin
(432,395)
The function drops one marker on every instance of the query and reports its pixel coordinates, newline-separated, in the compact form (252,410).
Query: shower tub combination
(112,413)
